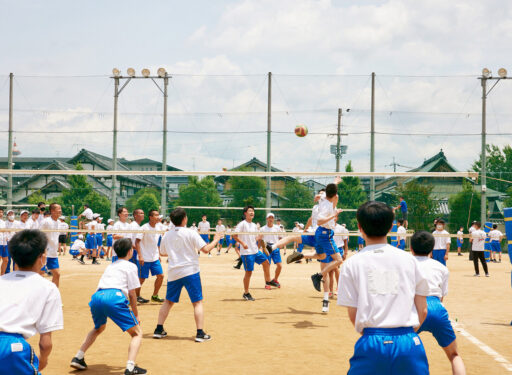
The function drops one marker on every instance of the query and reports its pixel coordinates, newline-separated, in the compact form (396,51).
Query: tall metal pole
(338,142)
(114,152)
(372,141)
(164,151)
(483,156)
(269,130)
(9,148)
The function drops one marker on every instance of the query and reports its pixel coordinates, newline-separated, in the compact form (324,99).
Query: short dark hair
(246,208)
(401,221)
(1,209)
(477,224)
(136,210)
(53,205)
(441,221)
(151,212)
(122,247)
(46,213)
(331,190)
(36,211)
(41,204)
(86,205)
(204,215)
(322,189)
(177,216)
(120,210)
(26,246)
(375,218)
(494,226)
(422,242)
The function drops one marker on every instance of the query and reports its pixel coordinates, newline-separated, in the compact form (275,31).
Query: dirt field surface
(282,332)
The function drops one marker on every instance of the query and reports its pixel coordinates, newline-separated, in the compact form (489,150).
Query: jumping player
(403,209)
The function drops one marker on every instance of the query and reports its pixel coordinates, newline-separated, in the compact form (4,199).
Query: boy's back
(437,275)
(122,275)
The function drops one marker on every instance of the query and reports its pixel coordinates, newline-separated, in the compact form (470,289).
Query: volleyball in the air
(301,130)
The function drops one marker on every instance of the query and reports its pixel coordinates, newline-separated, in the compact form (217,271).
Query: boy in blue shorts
(52,256)
(30,305)
(385,293)
(110,238)
(180,245)
(271,238)
(437,321)
(116,290)
(495,236)
(401,232)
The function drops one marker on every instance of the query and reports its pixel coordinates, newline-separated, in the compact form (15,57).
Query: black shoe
(156,299)
(203,337)
(81,261)
(95,262)
(238,264)
(142,300)
(248,297)
(79,364)
(317,281)
(136,370)
(269,248)
(159,333)
(459,254)
(325,306)
(294,257)
(273,283)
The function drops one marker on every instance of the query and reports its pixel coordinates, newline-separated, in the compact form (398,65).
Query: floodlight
(161,72)
(486,73)
(116,72)
(502,72)
(145,73)
(131,72)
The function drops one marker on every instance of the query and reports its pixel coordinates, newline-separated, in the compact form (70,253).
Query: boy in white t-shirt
(220,228)
(460,241)
(270,239)
(30,305)
(385,293)
(204,228)
(478,245)
(495,236)
(180,245)
(442,245)
(116,290)
(52,223)
(77,248)
(401,232)
(437,321)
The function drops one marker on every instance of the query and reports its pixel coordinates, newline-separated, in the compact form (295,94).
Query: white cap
(301,225)
(160,216)
(100,218)
(95,216)
(80,237)
(270,214)
(9,211)
(23,212)
(110,220)
(343,225)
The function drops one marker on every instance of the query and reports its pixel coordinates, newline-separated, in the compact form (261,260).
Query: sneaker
(317,281)
(294,257)
(273,283)
(269,248)
(95,262)
(203,337)
(142,300)
(248,297)
(238,264)
(325,306)
(476,275)
(277,283)
(499,261)
(268,287)
(159,333)
(136,370)
(156,299)
(487,275)
(79,364)
(81,261)
(209,255)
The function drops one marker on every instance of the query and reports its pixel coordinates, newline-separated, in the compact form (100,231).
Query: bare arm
(323,220)
(421,306)
(243,244)
(45,348)
(308,224)
(133,303)
(352,312)
(209,247)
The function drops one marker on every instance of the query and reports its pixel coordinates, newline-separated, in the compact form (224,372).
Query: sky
(427,56)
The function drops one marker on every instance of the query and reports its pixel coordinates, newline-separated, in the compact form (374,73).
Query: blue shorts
(3,251)
(205,238)
(275,256)
(496,246)
(134,260)
(17,356)
(159,240)
(439,256)
(155,268)
(74,252)
(324,239)
(221,242)
(438,322)
(90,242)
(99,239)
(52,263)
(459,243)
(307,241)
(329,258)
(228,240)
(360,240)
(397,351)
(192,284)
(110,240)
(249,260)
(111,303)
(402,245)
(114,258)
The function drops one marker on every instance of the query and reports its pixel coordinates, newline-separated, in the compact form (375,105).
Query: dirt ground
(282,332)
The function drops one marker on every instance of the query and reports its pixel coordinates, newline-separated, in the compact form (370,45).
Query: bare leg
(164,311)
(199,314)
(158,284)
(56,276)
(455,359)
(91,337)
(5,260)
(332,265)
(136,334)
(247,280)
(137,291)
(331,280)
(266,270)
(279,267)
(325,280)
(281,244)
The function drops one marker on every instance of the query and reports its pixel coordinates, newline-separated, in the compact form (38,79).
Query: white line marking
(485,348)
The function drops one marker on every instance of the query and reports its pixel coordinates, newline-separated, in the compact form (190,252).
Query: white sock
(130,365)
(326,296)
(80,354)
(274,247)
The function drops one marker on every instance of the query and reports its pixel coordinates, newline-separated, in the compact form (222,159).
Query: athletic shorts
(360,240)
(459,243)
(275,256)
(17,356)
(324,239)
(397,351)
(228,240)
(496,246)
(113,304)
(134,259)
(438,323)
(52,263)
(249,260)
(4,253)
(405,214)
(74,252)
(192,284)
(90,242)
(62,238)
(99,239)
(205,237)
(308,240)
(155,268)
(439,255)
(401,245)
(329,258)
(110,240)
(114,258)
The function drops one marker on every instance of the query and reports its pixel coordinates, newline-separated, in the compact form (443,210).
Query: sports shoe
(78,363)
(325,306)
(476,275)
(81,261)
(248,297)
(273,283)
(317,281)
(209,255)
(268,287)
(238,264)
(142,300)
(277,283)
(269,248)
(294,257)
(95,262)
(159,333)
(156,299)
(203,337)
(459,254)
(136,370)
(487,275)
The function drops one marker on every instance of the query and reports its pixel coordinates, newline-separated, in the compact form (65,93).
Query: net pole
(483,161)
(114,151)
(9,156)
(164,151)
(372,140)
(268,202)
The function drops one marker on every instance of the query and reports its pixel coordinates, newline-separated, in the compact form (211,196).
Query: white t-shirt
(100,226)
(381,282)
(52,248)
(21,225)
(220,229)
(110,227)
(248,239)
(314,218)
(181,246)
(204,226)
(471,230)
(441,242)
(149,243)
(296,229)
(459,235)
(3,235)
(271,238)
(400,231)
(92,226)
(495,235)
(119,225)
(326,209)
(63,225)
(478,236)
(78,245)
(133,226)
(338,240)
(30,304)
(33,224)
(194,228)
(437,275)
(10,224)
(87,214)
(122,275)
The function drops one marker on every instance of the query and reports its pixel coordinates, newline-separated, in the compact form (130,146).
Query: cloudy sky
(426,55)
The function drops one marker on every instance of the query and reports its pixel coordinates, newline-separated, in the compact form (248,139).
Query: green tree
(147,202)
(459,205)
(36,197)
(131,203)
(499,165)
(422,208)
(200,193)
(246,191)
(508,201)
(351,195)
(298,196)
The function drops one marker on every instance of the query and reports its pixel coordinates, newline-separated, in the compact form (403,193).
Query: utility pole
(483,156)
(372,141)
(164,150)
(269,131)
(9,148)
(338,142)
(114,152)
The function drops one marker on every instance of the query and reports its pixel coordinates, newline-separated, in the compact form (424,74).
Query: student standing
(63,235)
(121,224)
(52,256)
(478,245)
(271,238)
(442,245)
(404,210)
(220,228)
(495,236)
(460,241)
(204,228)
(401,232)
